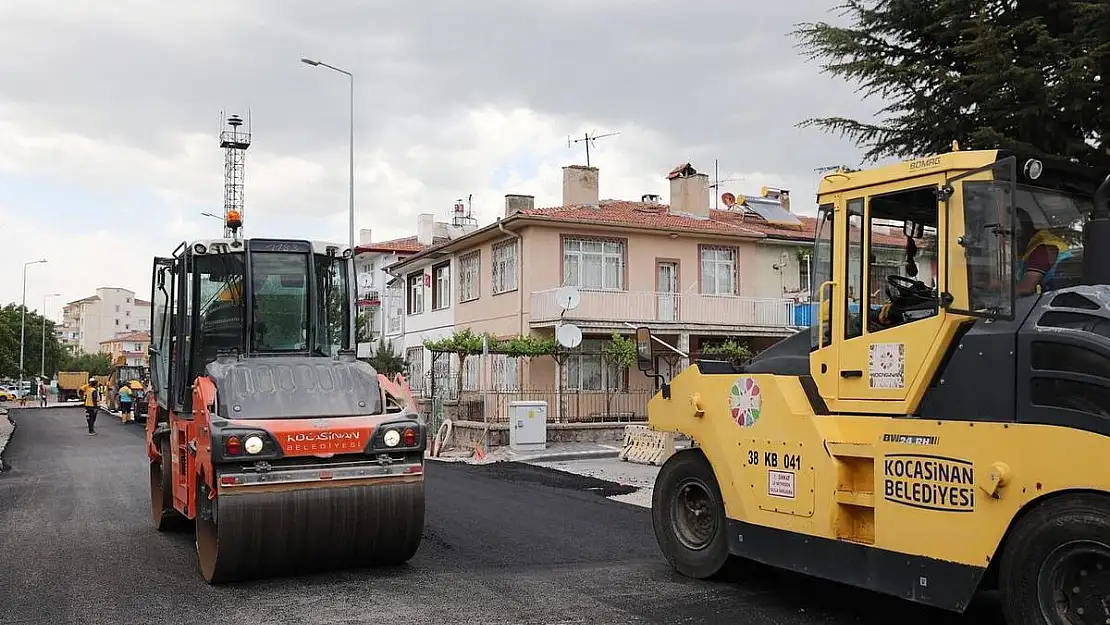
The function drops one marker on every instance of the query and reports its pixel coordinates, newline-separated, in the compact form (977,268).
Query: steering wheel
(901,287)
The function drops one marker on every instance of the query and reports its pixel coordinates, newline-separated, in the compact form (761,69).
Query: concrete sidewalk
(639,476)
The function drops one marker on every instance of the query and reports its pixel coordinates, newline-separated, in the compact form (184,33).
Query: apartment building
(381,296)
(134,346)
(111,312)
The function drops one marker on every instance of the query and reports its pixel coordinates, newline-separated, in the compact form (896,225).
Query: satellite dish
(729,199)
(365,280)
(568,335)
(568,298)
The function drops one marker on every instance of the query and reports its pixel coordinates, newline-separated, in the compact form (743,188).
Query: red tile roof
(141,335)
(405,245)
(657,216)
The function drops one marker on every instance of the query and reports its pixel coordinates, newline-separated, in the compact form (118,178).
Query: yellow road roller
(264,432)
(942,428)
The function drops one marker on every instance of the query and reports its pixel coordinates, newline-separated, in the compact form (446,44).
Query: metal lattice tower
(235,143)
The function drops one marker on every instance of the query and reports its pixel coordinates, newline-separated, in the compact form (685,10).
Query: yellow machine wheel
(1055,569)
(162,512)
(688,515)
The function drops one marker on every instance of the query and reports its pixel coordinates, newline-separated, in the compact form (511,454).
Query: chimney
(579,185)
(516,203)
(689,191)
(364,236)
(425,228)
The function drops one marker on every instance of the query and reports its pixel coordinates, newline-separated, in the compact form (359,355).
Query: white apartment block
(381,296)
(113,311)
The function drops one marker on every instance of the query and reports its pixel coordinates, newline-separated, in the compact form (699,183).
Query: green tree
(10,319)
(1028,76)
(95,364)
(386,361)
(731,350)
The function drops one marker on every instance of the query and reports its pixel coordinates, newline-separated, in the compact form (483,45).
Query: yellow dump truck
(69,383)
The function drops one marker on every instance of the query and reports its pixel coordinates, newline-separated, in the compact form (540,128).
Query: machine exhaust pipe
(1096,239)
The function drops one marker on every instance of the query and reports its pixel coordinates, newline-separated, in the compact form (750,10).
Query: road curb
(571,455)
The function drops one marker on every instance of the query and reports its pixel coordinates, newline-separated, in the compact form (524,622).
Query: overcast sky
(109,114)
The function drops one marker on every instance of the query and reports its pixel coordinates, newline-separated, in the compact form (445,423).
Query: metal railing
(646,307)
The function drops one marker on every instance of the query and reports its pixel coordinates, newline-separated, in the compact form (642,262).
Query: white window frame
(470,267)
(414,293)
(712,264)
(503,266)
(577,255)
(441,286)
(588,355)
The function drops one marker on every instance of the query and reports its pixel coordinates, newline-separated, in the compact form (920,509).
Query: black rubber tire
(162,513)
(1050,525)
(691,468)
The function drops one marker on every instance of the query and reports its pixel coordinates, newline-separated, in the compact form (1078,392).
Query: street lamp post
(23,319)
(42,367)
(351,209)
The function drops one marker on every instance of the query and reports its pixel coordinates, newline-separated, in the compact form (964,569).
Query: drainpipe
(520,295)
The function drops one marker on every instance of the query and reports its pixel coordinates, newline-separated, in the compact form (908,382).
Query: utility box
(528,425)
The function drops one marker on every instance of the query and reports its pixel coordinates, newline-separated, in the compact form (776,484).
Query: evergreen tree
(1027,75)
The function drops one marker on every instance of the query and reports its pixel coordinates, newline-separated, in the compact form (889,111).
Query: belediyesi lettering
(936,483)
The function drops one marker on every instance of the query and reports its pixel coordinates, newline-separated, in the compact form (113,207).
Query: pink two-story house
(688,272)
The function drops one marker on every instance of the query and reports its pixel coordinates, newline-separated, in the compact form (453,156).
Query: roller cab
(942,428)
(285,452)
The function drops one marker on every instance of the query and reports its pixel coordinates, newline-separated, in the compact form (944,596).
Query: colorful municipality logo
(744,400)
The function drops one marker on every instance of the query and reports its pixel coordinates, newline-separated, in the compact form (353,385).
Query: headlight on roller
(253,444)
(391,438)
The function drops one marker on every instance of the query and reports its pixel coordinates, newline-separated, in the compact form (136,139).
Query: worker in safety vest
(91,398)
(1040,256)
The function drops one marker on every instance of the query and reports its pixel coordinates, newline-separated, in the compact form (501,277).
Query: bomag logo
(929,482)
(924,163)
(320,437)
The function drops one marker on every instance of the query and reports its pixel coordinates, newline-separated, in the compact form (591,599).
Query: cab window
(902,257)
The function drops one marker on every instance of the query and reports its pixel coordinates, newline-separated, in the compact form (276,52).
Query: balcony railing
(678,308)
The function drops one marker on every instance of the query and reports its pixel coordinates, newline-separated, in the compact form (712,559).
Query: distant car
(6,395)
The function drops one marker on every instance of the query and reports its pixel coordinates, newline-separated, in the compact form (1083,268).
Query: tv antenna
(587,138)
(717,184)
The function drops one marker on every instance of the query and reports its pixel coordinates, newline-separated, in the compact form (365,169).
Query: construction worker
(1040,256)
(91,397)
(125,403)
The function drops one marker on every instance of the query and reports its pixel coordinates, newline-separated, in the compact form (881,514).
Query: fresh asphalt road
(504,543)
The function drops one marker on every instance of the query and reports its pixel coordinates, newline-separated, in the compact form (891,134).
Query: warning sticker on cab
(780,484)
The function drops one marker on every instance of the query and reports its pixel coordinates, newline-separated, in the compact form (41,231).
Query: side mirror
(913,230)
(643,349)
